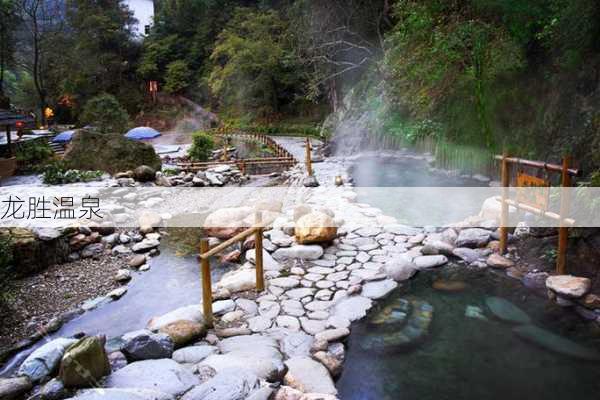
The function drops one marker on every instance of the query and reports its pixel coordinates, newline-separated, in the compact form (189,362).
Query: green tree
(252,64)
(178,76)
(8,23)
(106,114)
(202,144)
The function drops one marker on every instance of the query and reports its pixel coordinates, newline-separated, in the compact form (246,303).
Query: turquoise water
(472,358)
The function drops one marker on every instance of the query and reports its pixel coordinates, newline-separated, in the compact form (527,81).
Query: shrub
(5,253)
(177,77)
(106,114)
(58,174)
(202,144)
(33,153)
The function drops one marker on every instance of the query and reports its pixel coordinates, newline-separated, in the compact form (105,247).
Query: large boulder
(400,269)
(144,173)
(14,388)
(302,252)
(182,332)
(191,313)
(315,227)
(568,285)
(228,384)
(165,376)
(84,363)
(227,222)
(44,361)
(109,152)
(308,376)
(473,237)
(145,345)
(238,281)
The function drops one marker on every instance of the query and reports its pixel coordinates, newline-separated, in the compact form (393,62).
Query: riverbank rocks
(315,227)
(144,173)
(473,237)
(121,394)
(400,269)
(182,332)
(568,285)
(43,361)
(145,345)
(14,388)
(227,222)
(193,354)
(84,363)
(228,384)
(238,281)
(191,313)
(303,252)
(255,353)
(164,376)
(148,221)
(425,262)
(352,308)
(378,289)
(308,376)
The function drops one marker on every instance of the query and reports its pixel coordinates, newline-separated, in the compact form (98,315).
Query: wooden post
(9,141)
(563,231)
(258,249)
(505,209)
(308,157)
(206,285)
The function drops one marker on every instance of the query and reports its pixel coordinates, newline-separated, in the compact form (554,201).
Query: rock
(333,365)
(53,390)
(14,388)
(227,222)
(296,344)
(300,293)
(183,331)
(259,323)
(424,262)
(145,245)
(269,264)
(312,326)
(269,309)
(286,283)
(568,286)
(279,238)
(555,343)
(164,376)
(300,211)
(303,252)
(506,310)
(449,285)
(473,237)
(332,335)
(93,250)
(403,230)
(228,384)
(87,355)
(310,181)
(238,281)
(137,261)
(145,345)
(353,308)
(232,257)
(122,275)
(438,247)
(122,394)
(308,376)
(255,353)
(117,360)
(48,234)
(193,354)
(535,280)
(44,360)
(400,269)
(378,289)
(592,302)
(117,293)
(188,313)
(315,227)
(144,173)
(288,322)
(148,221)
(466,254)
(498,261)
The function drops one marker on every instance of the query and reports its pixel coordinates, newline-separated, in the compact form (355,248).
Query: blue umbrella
(142,133)
(63,137)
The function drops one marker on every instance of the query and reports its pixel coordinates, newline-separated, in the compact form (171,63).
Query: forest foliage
(500,74)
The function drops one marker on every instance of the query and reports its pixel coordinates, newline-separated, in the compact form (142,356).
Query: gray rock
(379,289)
(48,234)
(145,245)
(13,388)
(259,323)
(228,384)
(92,250)
(308,376)
(193,354)
(400,269)
(145,345)
(188,313)
(303,252)
(300,293)
(424,262)
(44,360)
(122,394)
(312,326)
(466,254)
(164,376)
(286,283)
(402,230)
(569,286)
(473,237)
(269,264)
(352,308)
(296,344)
(53,390)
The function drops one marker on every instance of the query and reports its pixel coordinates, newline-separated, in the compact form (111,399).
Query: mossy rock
(91,151)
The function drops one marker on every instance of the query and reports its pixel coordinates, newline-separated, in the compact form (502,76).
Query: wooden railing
(206,253)
(564,223)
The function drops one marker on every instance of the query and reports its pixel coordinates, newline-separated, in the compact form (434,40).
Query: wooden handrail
(206,253)
(539,164)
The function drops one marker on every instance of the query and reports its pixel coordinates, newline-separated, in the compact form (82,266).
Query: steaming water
(467,358)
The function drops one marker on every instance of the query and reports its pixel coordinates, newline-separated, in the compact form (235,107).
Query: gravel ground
(35,300)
